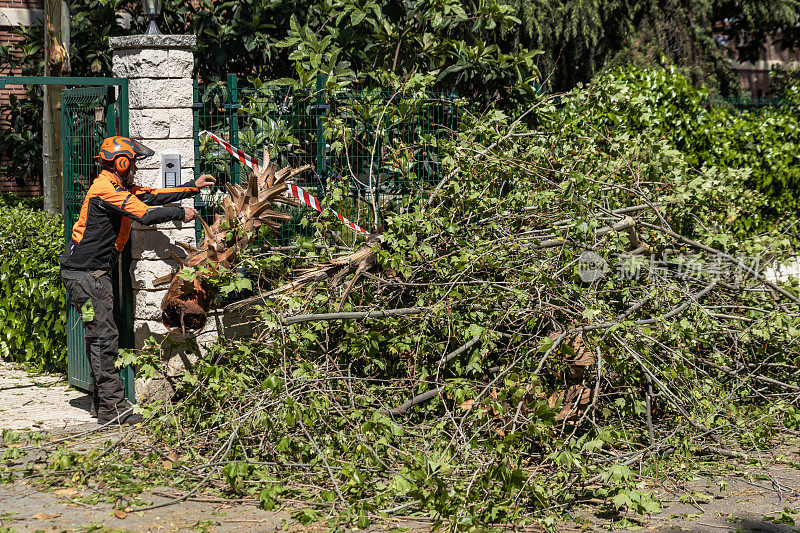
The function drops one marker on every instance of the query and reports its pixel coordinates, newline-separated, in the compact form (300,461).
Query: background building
(754,76)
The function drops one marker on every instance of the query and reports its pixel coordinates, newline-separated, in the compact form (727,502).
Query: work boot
(127,417)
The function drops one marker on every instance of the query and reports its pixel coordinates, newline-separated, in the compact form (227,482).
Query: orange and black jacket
(104,224)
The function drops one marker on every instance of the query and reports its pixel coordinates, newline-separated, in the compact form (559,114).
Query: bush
(13,200)
(761,144)
(32,298)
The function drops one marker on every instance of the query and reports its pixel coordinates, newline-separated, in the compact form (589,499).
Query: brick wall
(7,38)
(755,77)
(28,4)
(8,183)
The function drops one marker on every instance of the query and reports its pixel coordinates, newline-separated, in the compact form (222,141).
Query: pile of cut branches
(560,307)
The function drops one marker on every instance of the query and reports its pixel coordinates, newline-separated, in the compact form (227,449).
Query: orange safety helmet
(121,151)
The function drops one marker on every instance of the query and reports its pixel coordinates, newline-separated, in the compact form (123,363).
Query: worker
(101,231)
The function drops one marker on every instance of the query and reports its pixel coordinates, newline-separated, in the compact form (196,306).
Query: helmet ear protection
(122,164)
(119,152)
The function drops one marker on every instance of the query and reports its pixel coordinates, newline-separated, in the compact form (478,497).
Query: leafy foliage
(760,146)
(14,200)
(458,45)
(21,142)
(32,298)
(322,409)
(581,39)
(92,22)
(451,45)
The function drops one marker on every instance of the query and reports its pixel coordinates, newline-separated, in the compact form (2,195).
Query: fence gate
(89,114)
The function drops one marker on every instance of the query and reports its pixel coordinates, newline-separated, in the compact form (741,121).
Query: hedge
(32,298)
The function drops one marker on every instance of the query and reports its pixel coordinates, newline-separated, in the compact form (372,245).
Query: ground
(752,494)
(47,402)
(27,508)
(39,401)
(741,496)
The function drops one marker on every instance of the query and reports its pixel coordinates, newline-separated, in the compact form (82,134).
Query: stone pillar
(159,68)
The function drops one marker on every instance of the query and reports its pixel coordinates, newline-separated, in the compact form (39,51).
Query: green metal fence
(370,140)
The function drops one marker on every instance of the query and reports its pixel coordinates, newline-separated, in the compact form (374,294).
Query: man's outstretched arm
(173,194)
(128,204)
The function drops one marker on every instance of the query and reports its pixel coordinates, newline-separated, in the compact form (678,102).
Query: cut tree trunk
(187,302)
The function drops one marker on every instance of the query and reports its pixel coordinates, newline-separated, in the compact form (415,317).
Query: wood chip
(44,516)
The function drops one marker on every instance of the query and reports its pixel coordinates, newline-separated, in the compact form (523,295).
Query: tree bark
(56,30)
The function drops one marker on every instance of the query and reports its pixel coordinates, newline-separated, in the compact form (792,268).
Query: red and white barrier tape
(235,152)
(293,190)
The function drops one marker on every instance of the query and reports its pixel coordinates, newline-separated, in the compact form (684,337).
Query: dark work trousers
(101,335)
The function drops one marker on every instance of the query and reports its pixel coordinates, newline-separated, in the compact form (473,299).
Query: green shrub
(761,144)
(11,199)
(32,298)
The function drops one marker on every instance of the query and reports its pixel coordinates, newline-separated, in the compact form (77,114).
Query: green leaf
(305,516)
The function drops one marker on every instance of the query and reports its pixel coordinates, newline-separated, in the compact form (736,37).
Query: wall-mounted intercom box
(170,169)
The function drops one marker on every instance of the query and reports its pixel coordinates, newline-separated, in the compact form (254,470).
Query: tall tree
(581,37)
(461,44)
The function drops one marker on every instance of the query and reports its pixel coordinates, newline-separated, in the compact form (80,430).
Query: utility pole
(56,55)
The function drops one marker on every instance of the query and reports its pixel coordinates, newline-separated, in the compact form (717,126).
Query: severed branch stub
(245,210)
(186,305)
